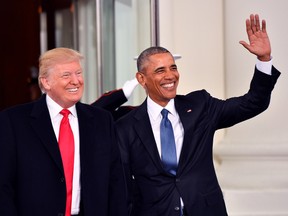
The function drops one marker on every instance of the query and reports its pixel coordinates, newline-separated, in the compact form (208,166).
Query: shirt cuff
(265,67)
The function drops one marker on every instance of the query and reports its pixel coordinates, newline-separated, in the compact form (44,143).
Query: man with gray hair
(166,143)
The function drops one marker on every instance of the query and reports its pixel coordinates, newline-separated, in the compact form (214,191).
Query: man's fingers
(252,22)
(264,26)
(258,28)
(244,44)
(248,27)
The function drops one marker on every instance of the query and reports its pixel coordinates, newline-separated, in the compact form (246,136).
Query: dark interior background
(20,46)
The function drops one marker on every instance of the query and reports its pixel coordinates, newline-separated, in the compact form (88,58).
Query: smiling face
(159,78)
(64,83)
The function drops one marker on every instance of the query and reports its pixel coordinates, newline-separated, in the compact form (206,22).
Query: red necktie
(66,145)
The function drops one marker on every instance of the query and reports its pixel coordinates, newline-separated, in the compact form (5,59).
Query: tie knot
(164,113)
(65,112)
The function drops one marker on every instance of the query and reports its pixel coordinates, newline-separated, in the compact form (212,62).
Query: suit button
(177,180)
(62,180)
(176,208)
(60,214)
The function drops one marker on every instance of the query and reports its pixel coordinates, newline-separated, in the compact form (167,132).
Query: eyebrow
(158,69)
(173,65)
(76,71)
(161,68)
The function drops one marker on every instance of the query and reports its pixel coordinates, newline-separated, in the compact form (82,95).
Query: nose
(170,74)
(74,79)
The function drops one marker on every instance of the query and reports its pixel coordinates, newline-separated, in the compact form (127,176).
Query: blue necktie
(168,148)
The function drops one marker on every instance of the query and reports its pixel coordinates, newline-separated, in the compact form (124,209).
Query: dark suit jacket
(157,192)
(32,179)
(113,101)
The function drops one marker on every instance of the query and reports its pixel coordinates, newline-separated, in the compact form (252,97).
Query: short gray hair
(147,53)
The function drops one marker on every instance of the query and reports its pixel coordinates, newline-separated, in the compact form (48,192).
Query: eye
(160,70)
(174,68)
(66,75)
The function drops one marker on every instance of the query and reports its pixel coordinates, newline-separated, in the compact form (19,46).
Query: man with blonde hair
(59,156)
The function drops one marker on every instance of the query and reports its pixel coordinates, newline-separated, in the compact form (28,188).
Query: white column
(253,155)
(254,177)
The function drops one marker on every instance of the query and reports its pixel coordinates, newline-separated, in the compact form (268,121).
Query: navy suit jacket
(153,191)
(32,178)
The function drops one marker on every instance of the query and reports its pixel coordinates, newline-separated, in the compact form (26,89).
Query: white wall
(257,150)
(270,124)
(194,29)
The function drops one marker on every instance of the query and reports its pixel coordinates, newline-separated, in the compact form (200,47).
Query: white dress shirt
(154,112)
(56,117)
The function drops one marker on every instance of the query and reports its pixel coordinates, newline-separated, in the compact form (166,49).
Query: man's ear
(140,78)
(45,83)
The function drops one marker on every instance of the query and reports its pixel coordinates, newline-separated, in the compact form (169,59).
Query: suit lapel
(85,130)
(41,123)
(186,112)
(145,133)
(188,115)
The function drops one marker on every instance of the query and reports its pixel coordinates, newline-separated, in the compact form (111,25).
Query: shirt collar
(55,108)
(155,109)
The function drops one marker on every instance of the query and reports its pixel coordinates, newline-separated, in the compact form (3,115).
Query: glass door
(132,35)
(97,43)
(109,33)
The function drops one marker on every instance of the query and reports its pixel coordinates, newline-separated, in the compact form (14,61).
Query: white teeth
(168,85)
(73,90)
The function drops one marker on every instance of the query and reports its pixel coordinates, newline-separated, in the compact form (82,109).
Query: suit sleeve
(111,100)
(7,167)
(237,109)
